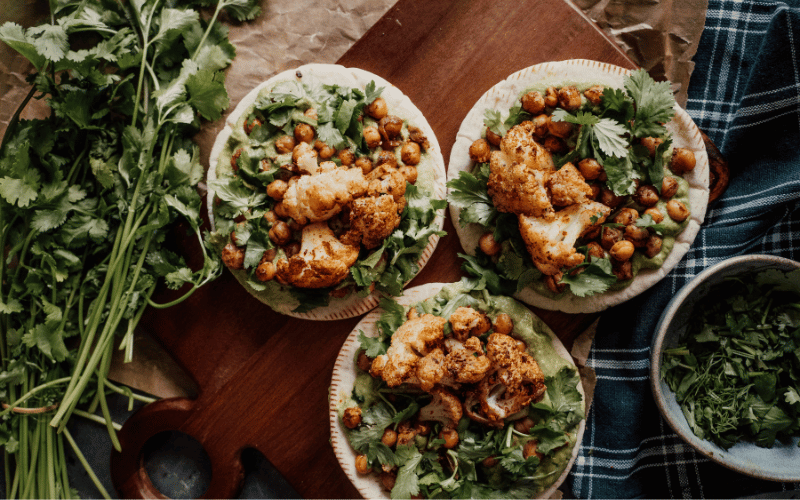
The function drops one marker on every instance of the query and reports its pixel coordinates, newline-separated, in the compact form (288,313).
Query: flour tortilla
(344,377)
(580,72)
(400,105)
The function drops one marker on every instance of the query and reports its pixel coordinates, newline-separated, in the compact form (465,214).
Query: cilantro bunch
(98,201)
(736,372)
(608,132)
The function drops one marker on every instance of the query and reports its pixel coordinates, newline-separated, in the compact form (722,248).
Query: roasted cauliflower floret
(304,159)
(430,369)
(467,322)
(520,147)
(412,341)
(385,179)
(318,197)
(466,362)
(551,244)
(323,260)
(445,407)
(567,186)
(372,219)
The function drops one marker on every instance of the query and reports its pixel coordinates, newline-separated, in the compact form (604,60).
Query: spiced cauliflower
(323,260)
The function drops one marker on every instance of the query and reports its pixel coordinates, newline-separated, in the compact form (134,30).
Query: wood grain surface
(263,377)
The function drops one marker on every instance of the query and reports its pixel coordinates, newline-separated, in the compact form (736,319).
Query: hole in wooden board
(177,465)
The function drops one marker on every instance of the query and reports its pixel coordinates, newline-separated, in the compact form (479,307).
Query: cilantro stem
(129,393)
(208,29)
(86,466)
(31,393)
(94,418)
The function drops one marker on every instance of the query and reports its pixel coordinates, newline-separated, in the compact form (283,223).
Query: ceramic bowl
(779,463)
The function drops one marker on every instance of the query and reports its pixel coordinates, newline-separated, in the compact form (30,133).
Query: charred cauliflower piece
(372,219)
(567,186)
(386,179)
(415,339)
(466,362)
(318,197)
(430,370)
(445,407)
(467,322)
(323,260)
(552,243)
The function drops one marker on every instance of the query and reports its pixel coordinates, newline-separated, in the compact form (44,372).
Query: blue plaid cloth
(745,94)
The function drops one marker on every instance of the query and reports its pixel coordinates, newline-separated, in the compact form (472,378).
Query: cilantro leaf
(468,192)
(595,278)
(654,104)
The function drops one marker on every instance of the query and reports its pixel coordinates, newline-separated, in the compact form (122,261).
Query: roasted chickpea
(560,129)
(488,244)
(293,248)
(363,361)
(554,144)
(553,284)
(450,437)
(569,98)
(540,122)
(325,152)
(677,211)
(284,144)
(682,161)
(410,153)
(654,214)
(372,137)
(493,138)
(622,270)
(346,156)
(595,187)
(265,271)
(310,113)
(592,232)
(530,449)
(626,216)
(622,250)
(409,172)
(232,256)
(387,157)
(378,108)
(609,199)
(389,437)
(365,164)
(405,434)
(533,102)
(595,250)
(362,465)
(609,236)
(422,428)
(279,233)
(490,461)
(594,94)
(590,169)
(249,125)
(390,126)
(303,132)
(636,235)
(271,217)
(520,345)
(646,195)
(524,425)
(351,417)
(503,324)
(280,210)
(277,189)
(479,151)
(234,159)
(669,187)
(269,255)
(412,313)
(387,480)
(651,143)
(551,97)
(653,246)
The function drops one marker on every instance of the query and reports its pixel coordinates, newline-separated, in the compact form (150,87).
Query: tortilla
(344,377)
(400,105)
(581,72)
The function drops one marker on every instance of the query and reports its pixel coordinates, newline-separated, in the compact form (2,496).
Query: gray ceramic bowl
(779,463)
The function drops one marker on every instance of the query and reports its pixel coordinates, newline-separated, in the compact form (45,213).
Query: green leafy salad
(325,190)
(736,371)
(462,395)
(574,189)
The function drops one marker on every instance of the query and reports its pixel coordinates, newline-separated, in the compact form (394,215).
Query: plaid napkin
(745,94)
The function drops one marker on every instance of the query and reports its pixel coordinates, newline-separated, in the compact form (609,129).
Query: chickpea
(405,433)
(682,161)
(646,195)
(669,187)
(346,157)
(554,144)
(636,235)
(622,250)
(265,271)
(284,144)
(609,236)
(410,153)
(362,465)
(365,164)
(677,211)
(409,172)
(654,214)
(450,437)
(249,125)
(280,233)
(422,428)
(300,150)
(524,425)
(595,187)
(560,129)
(489,245)
(311,113)
(540,122)
(352,417)
(292,249)
(271,217)
(303,132)
(493,138)
(490,461)
(363,361)
(233,256)
(387,157)
(553,284)
(234,159)
(590,169)
(622,270)
(269,255)
(412,313)
(609,198)
(390,126)
(626,216)
(520,345)
(280,210)
(503,324)
(530,449)
(551,97)
(372,137)
(651,143)
(387,480)
(277,189)
(533,102)
(653,246)
(377,108)
(389,437)
(325,152)
(295,225)
(479,151)
(594,94)
(569,98)
(595,250)
(416,135)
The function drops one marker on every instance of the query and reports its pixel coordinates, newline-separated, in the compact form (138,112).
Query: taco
(451,392)
(326,191)
(576,185)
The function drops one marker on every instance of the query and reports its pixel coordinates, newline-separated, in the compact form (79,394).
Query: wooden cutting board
(263,378)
